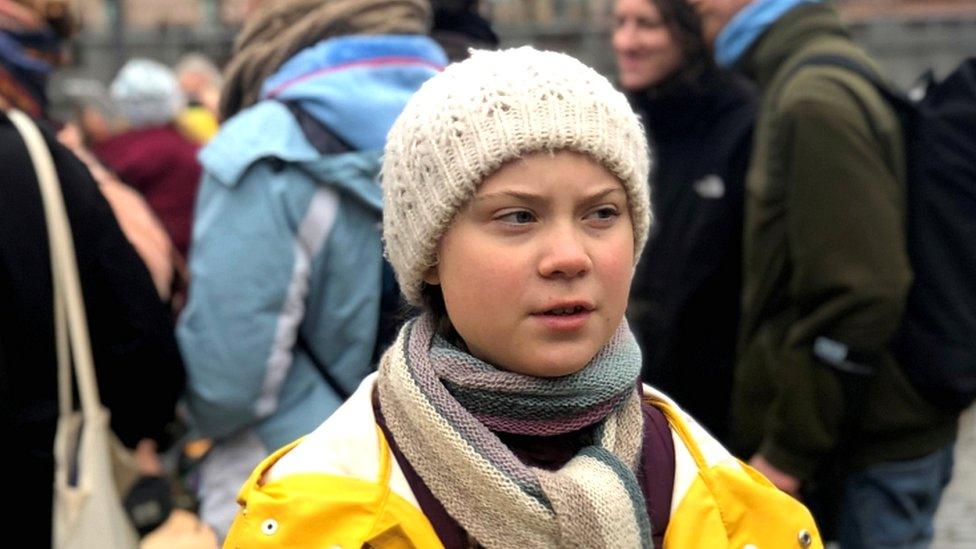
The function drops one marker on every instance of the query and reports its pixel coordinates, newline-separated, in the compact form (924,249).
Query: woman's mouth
(564,311)
(564,318)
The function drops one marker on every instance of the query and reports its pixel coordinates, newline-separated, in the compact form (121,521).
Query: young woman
(684,305)
(510,414)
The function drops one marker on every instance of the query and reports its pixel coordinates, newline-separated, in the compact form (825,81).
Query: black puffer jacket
(684,304)
(137,362)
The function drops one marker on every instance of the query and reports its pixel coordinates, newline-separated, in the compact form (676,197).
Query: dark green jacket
(824,256)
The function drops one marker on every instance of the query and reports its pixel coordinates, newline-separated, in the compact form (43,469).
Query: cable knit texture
(496,106)
(592,501)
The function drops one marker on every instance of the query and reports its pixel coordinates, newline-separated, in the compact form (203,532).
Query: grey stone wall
(907,48)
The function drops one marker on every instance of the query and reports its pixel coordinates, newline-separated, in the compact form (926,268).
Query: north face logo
(710,186)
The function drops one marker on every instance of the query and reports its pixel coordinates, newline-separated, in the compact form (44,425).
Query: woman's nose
(565,255)
(623,37)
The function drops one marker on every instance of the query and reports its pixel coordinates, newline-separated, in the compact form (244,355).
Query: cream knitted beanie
(494,107)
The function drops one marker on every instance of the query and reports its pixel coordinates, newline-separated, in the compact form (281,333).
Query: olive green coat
(824,256)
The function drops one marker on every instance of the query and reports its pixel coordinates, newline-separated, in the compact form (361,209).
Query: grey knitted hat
(494,107)
(147,93)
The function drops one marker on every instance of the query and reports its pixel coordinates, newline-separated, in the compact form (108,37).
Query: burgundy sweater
(655,476)
(160,163)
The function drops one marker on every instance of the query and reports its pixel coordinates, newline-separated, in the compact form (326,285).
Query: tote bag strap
(71,326)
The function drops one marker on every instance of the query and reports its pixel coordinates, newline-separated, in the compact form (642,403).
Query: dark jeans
(893,504)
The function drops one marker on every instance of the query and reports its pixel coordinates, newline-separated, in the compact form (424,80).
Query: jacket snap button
(269,527)
(750,546)
(805,539)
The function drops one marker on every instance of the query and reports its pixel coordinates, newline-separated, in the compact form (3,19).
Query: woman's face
(647,53)
(536,269)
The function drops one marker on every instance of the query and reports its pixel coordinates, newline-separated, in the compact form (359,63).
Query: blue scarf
(383,70)
(748,25)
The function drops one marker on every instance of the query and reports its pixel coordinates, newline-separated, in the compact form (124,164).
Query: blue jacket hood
(268,130)
(383,70)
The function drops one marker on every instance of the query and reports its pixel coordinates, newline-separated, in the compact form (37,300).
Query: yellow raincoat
(341,487)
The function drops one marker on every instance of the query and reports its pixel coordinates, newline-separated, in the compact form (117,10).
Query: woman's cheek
(487,278)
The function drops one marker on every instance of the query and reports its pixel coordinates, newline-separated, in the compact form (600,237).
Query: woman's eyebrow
(518,195)
(601,194)
(532,197)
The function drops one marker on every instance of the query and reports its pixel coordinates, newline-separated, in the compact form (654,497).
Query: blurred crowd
(226,221)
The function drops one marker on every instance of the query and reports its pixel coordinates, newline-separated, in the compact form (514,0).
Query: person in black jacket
(684,304)
(137,362)
(458,26)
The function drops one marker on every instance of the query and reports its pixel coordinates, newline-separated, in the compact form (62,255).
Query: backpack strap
(904,107)
(680,428)
(318,134)
(657,469)
(327,143)
(840,61)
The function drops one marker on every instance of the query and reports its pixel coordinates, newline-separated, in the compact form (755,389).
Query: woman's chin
(552,364)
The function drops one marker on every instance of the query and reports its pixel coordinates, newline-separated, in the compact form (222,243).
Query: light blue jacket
(286,242)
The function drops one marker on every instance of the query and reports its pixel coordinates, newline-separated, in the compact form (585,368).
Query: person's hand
(183,530)
(148,459)
(70,136)
(784,481)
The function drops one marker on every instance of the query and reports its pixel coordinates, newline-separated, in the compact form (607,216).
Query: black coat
(137,362)
(684,304)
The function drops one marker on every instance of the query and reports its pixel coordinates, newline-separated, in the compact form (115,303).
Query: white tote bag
(88,511)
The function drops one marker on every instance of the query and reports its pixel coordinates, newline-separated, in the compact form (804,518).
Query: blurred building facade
(907,36)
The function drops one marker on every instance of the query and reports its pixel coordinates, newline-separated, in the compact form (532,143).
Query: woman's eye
(605,213)
(650,23)
(517,217)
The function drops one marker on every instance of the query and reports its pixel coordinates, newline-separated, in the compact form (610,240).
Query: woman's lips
(564,322)
(630,63)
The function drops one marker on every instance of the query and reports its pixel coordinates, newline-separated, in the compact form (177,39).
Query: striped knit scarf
(441,406)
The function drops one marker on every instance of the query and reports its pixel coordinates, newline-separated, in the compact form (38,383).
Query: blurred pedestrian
(141,226)
(459,26)
(30,49)
(684,305)
(287,267)
(509,414)
(153,157)
(137,363)
(93,112)
(820,403)
(200,80)
(95,119)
